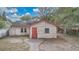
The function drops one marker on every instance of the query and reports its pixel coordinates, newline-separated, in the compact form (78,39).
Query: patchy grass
(13,44)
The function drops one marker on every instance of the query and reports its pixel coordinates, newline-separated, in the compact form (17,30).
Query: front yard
(67,43)
(13,44)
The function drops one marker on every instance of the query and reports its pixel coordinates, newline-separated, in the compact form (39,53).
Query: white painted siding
(17,31)
(3,32)
(41,30)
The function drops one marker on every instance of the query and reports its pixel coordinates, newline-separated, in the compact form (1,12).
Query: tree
(60,15)
(2,24)
(45,12)
(26,17)
(67,16)
(2,17)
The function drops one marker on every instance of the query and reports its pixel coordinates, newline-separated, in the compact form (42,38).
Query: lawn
(13,44)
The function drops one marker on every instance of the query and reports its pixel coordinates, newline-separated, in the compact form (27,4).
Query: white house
(3,32)
(19,28)
(39,29)
(43,29)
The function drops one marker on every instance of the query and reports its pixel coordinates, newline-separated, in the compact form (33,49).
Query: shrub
(2,24)
(71,32)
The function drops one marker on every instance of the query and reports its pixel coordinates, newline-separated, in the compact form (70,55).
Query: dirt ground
(64,43)
(13,44)
(67,43)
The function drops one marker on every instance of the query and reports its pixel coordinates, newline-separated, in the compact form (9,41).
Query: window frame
(47,30)
(25,30)
(22,30)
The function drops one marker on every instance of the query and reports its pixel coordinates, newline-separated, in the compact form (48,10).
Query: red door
(34,32)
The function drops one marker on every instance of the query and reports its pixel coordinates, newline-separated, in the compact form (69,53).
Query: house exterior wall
(16,31)
(3,32)
(41,30)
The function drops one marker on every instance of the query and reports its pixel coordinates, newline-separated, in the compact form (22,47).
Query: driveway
(34,44)
(47,44)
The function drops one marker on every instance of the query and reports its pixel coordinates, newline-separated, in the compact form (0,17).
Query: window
(21,29)
(25,30)
(46,30)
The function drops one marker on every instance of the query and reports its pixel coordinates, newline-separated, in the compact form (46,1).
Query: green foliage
(26,18)
(2,18)
(66,15)
(62,15)
(2,24)
(74,33)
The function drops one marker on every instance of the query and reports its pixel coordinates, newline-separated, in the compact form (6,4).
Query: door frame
(34,32)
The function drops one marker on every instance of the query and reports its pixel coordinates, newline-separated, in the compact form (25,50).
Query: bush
(71,32)
(2,24)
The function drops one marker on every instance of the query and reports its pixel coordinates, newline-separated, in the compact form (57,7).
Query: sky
(14,13)
(20,11)
(27,10)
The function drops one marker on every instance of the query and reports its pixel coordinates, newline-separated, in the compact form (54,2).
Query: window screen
(46,30)
(25,30)
(21,29)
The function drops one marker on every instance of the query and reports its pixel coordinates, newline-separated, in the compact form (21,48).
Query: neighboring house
(3,33)
(39,29)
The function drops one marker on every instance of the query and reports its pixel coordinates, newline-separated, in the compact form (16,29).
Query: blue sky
(24,10)
(14,13)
